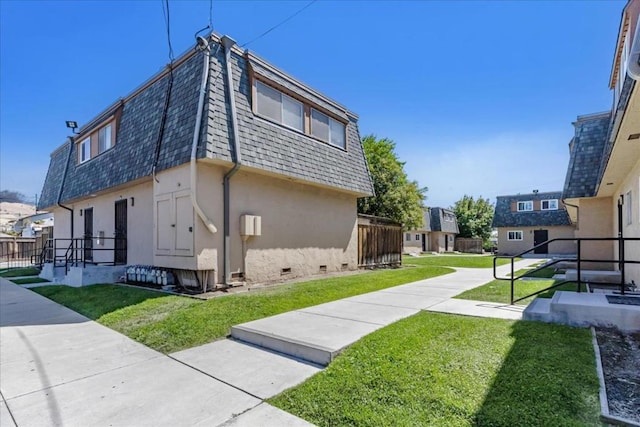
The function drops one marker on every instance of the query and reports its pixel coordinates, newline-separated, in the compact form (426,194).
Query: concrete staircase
(582,310)
(601,276)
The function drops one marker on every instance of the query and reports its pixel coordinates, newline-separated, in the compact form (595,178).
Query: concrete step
(539,310)
(594,276)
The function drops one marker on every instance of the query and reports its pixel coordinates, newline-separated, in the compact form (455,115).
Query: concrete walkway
(59,368)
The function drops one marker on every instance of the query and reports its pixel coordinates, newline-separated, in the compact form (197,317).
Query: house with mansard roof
(527,220)
(221,167)
(437,234)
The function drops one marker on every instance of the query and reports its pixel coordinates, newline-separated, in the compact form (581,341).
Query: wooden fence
(19,250)
(471,246)
(379,242)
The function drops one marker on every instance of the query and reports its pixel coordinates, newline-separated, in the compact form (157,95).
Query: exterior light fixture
(634,136)
(133,202)
(73,125)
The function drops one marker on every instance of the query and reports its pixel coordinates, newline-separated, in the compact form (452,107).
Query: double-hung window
(279,107)
(104,139)
(549,205)
(514,235)
(525,206)
(85,150)
(327,129)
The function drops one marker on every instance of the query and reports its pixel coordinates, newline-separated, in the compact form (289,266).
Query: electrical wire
(165,13)
(290,17)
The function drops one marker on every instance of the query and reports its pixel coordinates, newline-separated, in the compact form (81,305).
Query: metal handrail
(74,252)
(578,259)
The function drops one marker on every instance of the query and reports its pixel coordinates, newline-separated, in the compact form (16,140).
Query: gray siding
(504,217)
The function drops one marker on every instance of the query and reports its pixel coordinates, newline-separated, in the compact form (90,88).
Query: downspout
(633,63)
(577,212)
(228,43)
(64,177)
(202,45)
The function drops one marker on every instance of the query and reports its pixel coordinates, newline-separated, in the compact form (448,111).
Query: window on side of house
(514,235)
(629,207)
(279,107)
(417,237)
(407,237)
(525,206)
(549,205)
(85,150)
(104,139)
(327,129)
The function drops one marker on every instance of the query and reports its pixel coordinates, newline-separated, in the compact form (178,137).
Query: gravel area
(620,354)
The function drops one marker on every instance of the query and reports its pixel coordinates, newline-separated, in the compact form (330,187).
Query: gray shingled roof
(263,145)
(504,217)
(586,155)
(439,224)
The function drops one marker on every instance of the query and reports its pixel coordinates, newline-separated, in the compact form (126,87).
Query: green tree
(474,217)
(395,197)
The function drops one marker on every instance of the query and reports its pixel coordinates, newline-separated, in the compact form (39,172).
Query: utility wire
(290,17)
(165,13)
(211,15)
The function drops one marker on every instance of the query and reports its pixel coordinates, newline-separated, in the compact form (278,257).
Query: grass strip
(172,323)
(448,370)
(469,261)
(29,280)
(18,272)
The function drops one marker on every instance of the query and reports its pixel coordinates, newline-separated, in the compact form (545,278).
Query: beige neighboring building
(525,221)
(253,178)
(437,234)
(603,177)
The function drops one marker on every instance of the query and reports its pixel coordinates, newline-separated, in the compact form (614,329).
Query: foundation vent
(323,269)
(285,271)
(237,276)
(344,267)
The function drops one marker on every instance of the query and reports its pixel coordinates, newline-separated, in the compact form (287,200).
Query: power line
(211,15)
(165,13)
(280,23)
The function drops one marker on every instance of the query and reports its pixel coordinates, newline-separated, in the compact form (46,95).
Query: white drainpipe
(203,45)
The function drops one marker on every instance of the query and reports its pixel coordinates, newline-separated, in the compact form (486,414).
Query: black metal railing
(621,262)
(81,251)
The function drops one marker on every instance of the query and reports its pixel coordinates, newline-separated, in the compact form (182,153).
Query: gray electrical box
(250,225)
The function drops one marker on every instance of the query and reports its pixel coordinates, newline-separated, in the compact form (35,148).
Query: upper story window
(277,106)
(449,217)
(327,129)
(85,150)
(525,206)
(549,205)
(104,139)
(96,142)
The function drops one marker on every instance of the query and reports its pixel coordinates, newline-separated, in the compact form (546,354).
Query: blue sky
(478,96)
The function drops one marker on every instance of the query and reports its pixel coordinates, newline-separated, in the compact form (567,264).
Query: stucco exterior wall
(596,220)
(414,245)
(438,243)
(139,222)
(513,247)
(304,227)
(630,226)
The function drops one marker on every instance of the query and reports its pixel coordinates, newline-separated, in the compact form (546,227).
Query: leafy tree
(12,196)
(395,197)
(474,217)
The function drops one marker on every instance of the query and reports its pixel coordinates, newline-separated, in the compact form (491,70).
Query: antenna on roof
(535,191)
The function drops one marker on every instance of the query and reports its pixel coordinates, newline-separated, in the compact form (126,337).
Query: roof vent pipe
(228,43)
(633,63)
(202,45)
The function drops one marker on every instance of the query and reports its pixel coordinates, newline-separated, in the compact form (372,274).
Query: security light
(72,125)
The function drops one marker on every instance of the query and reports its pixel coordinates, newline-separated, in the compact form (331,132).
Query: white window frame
(282,111)
(549,203)
(85,143)
(101,132)
(527,206)
(331,121)
(515,235)
(407,237)
(417,237)
(629,207)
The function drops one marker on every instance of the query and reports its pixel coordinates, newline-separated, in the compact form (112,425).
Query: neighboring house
(527,220)
(31,225)
(603,177)
(419,240)
(444,229)
(256,180)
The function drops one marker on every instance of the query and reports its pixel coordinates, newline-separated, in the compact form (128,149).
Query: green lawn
(17,272)
(29,280)
(500,290)
(469,261)
(447,370)
(172,323)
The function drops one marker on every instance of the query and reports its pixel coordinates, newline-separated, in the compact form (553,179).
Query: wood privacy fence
(471,246)
(379,242)
(13,249)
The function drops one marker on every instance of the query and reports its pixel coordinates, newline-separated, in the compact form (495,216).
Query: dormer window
(549,205)
(525,206)
(85,150)
(104,139)
(278,107)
